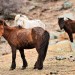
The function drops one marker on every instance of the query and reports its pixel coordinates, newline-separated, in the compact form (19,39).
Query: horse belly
(73,28)
(25,46)
(29,46)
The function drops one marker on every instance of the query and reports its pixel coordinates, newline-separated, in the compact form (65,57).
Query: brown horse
(21,38)
(68,26)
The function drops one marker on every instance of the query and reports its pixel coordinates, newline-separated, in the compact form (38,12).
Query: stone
(71,58)
(67,5)
(54,35)
(60,58)
(2,40)
(54,73)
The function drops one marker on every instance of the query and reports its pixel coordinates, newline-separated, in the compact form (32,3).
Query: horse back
(70,25)
(39,35)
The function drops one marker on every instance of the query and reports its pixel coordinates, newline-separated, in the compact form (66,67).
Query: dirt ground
(51,65)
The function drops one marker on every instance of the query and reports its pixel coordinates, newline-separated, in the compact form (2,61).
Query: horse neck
(7,31)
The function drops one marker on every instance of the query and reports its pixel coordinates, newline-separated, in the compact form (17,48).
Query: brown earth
(51,65)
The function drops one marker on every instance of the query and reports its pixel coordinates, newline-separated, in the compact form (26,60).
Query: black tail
(44,44)
(41,41)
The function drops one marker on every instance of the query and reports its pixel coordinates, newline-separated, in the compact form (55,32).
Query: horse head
(20,19)
(61,23)
(1,27)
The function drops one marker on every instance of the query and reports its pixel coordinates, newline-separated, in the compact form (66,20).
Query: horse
(22,38)
(23,21)
(68,25)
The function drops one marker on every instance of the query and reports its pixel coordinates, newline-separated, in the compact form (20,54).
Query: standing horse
(68,25)
(23,21)
(21,38)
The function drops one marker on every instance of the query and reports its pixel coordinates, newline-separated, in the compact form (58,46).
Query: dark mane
(5,24)
(69,19)
(15,27)
(68,26)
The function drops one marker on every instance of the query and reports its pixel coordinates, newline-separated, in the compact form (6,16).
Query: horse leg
(41,48)
(70,36)
(41,55)
(39,62)
(13,65)
(23,59)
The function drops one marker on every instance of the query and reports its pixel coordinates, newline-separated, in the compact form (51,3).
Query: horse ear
(61,23)
(1,21)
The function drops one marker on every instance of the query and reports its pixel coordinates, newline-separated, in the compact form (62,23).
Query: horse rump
(41,39)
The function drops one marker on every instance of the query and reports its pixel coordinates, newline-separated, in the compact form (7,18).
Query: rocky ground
(57,62)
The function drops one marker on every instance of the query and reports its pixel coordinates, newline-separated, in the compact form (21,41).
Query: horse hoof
(40,68)
(35,68)
(23,68)
(12,69)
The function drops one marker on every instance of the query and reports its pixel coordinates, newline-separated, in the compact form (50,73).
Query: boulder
(60,57)
(54,35)
(67,4)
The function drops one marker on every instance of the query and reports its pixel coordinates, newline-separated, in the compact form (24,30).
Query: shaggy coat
(68,26)
(20,38)
(23,21)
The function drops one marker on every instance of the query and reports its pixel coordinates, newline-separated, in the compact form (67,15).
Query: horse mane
(5,23)
(69,19)
(12,28)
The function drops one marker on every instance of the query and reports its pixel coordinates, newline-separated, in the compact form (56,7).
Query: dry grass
(60,67)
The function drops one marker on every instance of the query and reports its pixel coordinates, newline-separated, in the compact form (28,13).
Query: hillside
(46,10)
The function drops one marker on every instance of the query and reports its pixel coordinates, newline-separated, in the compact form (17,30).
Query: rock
(67,4)
(54,73)
(31,8)
(60,58)
(9,16)
(71,58)
(2,40)
(54,35)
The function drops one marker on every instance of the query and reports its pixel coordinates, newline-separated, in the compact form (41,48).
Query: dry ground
(51,65)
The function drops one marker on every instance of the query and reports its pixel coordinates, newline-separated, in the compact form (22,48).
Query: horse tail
(41,39)
(45,43)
